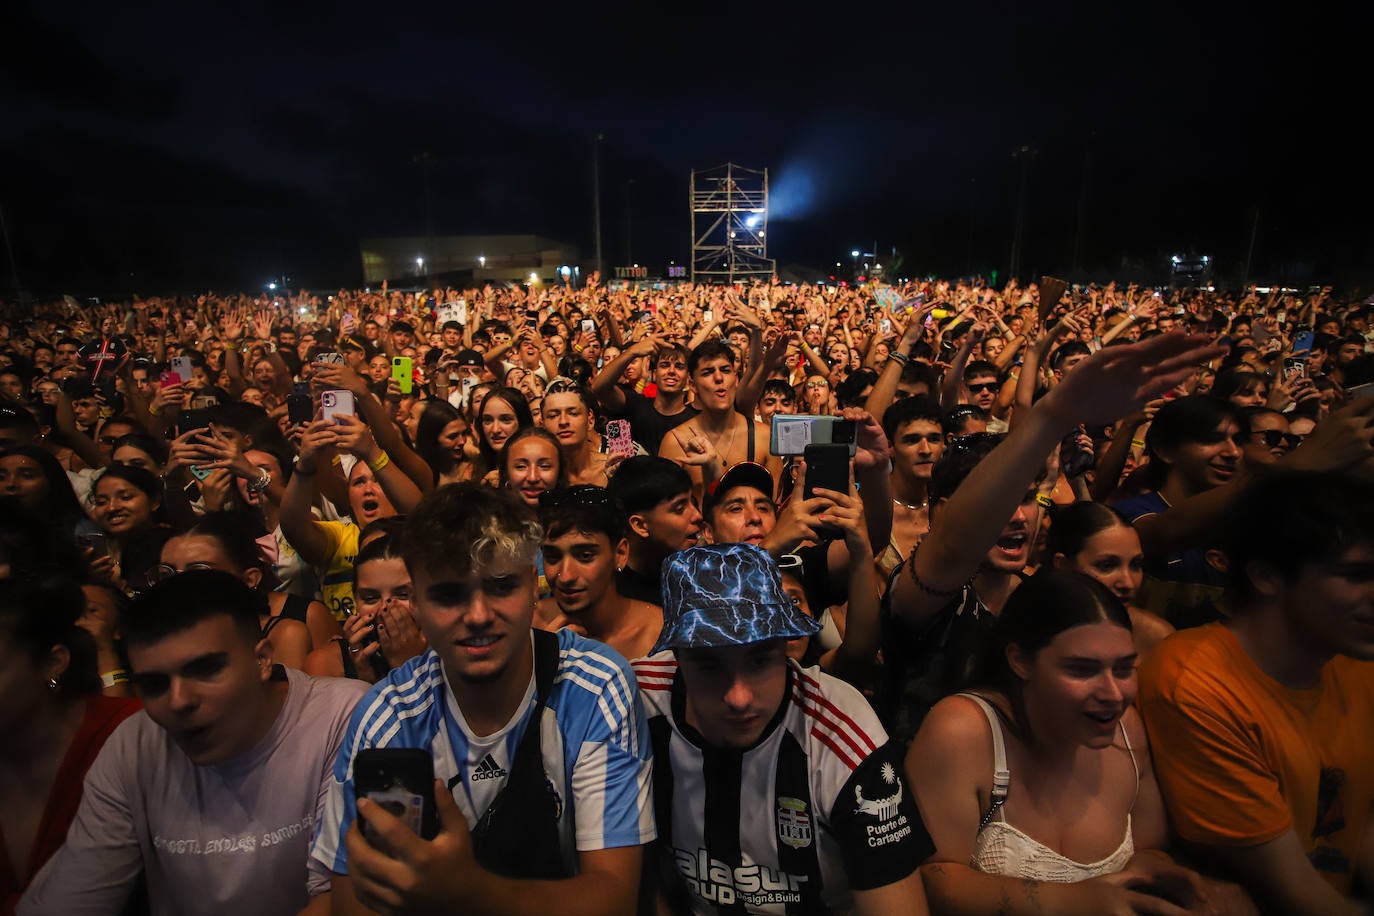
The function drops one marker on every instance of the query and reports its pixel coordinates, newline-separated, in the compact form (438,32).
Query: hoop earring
(52,683)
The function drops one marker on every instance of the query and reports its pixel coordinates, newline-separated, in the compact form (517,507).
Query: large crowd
(765,598)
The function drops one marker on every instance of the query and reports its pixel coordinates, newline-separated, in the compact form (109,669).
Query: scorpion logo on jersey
(884,808)
(794,823)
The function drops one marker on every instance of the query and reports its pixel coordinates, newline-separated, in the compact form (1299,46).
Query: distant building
(482,258)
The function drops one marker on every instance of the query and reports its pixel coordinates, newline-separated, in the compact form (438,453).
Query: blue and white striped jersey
(594,741)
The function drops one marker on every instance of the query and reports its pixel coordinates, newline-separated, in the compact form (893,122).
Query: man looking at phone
(537,740)
(651,415)
(211,792)
(776,788)
(584,543)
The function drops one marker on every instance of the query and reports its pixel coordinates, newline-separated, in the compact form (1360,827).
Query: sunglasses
(817,385)
(1273,438)
(584,494)
(974,441)
(983,386)
(561,385)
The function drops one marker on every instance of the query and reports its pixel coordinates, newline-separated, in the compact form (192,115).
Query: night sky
(160,147)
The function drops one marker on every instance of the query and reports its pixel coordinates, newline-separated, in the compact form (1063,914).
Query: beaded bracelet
(933,592)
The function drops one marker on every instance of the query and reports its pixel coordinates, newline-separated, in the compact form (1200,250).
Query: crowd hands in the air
(1068,609)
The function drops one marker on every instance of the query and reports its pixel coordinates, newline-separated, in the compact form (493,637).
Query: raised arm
(954,376)
(375,415)
(356,438)
(297,523)
(1117,380)
(604,387)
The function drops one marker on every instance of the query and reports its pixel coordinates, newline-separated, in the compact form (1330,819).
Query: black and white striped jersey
(816,808)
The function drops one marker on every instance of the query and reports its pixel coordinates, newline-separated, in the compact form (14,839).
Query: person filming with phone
(541,752)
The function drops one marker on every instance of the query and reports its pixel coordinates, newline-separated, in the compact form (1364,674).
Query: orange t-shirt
(1242,759)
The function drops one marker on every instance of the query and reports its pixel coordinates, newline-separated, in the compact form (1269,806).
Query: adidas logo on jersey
(488,769)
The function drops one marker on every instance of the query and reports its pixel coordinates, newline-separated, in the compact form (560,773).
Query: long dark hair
(39,612)
(436,415)
(1042,607)
(147,481)
(60,505)
(519,405)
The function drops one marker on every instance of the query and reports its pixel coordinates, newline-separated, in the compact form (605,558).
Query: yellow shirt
(336,580)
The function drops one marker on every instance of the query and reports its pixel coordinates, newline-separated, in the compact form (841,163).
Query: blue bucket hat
(727,595)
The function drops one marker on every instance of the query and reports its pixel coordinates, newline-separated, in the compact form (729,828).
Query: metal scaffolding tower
(729,206)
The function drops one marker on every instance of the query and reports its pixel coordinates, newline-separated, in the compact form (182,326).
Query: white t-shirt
(233,838)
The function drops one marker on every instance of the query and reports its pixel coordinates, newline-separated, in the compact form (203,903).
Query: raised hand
(1122,379)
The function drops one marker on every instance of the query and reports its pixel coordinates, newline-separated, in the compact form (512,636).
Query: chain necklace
(915,507)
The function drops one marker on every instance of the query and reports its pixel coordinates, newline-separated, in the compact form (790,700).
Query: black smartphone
(194,418)
(77,388)
(401,781)
(94,541)
(827,467)
(1075,460)
(300,408)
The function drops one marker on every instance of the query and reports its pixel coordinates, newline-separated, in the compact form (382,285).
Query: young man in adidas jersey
(776,789)
(540,750)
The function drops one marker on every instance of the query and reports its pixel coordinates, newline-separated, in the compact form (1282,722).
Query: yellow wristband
(153,411)
(380,463)
(1138,443)
(1044,499)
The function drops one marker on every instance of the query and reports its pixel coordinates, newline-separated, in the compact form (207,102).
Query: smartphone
(885,325)
(1302,342)
(708,316)
(402,370)
(200,473)
(168,379)
(300,408)
(95,542)
(1075,461)
(401,781)
(619,444)
(466,386)
(1360,391)
(335,403)
(790,434)
(193,418)
(200,402)
(827,466)
(330,358)
(588,326)
(1294,367)
(181,365)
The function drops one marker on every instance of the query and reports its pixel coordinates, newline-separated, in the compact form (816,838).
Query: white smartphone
(588,326)
(336,403)
(181,365)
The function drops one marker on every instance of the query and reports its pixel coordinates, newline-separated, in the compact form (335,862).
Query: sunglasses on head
(584,494)
(974,440)
(980,387)
(562,384)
